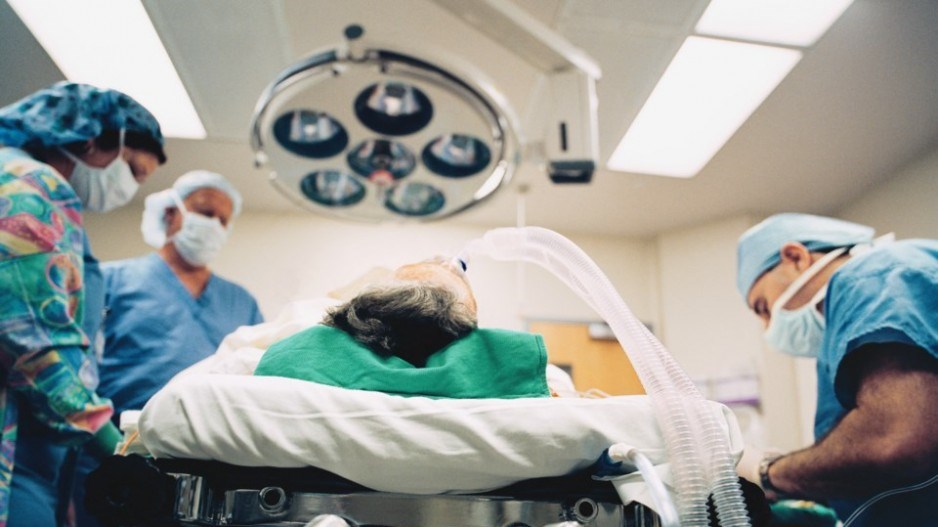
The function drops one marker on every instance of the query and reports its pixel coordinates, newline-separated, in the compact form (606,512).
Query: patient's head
(423,308)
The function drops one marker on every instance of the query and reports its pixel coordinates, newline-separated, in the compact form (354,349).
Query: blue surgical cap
(67,112)
(759,248)
(153,226)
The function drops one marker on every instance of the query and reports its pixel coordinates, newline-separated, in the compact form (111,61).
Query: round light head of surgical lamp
(393,108)
(331,188)
(374,156)
(310,134)
(373,134)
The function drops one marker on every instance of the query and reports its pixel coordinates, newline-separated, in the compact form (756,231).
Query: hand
(748,466)
(105,441)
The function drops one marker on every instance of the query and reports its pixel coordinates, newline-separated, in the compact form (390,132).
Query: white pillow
(396,444)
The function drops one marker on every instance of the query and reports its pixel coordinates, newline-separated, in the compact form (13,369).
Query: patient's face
(442,273)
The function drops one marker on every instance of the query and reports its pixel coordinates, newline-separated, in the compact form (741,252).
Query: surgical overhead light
(374,134)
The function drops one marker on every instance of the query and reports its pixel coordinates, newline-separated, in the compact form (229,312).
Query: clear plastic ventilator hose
(697,445)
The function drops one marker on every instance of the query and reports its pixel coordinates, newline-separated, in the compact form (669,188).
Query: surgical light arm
(570,133)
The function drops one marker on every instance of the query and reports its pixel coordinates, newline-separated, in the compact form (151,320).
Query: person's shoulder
(231,287)
(118,268)
(916,254)
(137,261)
(34,178)
(18,161)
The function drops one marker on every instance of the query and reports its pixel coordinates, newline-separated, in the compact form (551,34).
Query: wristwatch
(764,480)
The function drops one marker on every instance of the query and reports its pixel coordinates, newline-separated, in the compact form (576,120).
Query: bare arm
(889,439)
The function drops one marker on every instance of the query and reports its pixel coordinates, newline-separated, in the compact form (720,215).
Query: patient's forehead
(440,273)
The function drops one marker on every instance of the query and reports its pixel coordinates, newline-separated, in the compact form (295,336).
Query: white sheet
(242,349)
(397,444)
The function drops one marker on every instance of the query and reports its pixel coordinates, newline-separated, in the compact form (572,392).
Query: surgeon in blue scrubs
(867,310)
(167,310)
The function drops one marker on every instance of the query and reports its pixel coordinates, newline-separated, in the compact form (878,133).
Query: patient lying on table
(414,334)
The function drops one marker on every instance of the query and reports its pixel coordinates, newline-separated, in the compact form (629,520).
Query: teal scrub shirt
(888,295)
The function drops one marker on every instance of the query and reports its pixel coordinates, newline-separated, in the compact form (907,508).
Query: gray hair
(410,320)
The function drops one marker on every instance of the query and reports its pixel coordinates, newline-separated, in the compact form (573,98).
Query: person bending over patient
(414,334)
(64,150)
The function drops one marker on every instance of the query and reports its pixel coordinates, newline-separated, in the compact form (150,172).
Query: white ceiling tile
(861,104)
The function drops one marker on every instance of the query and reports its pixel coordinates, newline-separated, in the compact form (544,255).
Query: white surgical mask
(102,189)
(200,237)
(800,331)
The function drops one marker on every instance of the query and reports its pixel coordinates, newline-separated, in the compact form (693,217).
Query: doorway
(592,363)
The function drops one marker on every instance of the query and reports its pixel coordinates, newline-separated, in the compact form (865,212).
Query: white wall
(284,257)
(701,310)
(907,203)
(709,330)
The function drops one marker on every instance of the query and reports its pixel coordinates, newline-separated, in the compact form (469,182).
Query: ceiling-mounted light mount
(368,133)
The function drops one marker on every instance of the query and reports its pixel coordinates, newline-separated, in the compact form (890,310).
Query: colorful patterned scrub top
(45,363)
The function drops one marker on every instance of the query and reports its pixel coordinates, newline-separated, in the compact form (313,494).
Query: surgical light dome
(373,134)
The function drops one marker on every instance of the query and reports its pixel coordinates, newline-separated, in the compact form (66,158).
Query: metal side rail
(198,503)
(136,492)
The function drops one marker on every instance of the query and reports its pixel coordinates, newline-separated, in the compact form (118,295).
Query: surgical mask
(102,189)
(200,238)
(800,331)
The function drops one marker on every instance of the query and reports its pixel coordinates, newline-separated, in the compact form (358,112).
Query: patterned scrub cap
(67,112)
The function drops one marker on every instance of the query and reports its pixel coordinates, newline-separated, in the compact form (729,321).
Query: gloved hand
(104,441)
(748,466)
(802,513)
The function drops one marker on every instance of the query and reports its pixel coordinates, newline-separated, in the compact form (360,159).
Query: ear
(88,147)
(168,216)
(797,255)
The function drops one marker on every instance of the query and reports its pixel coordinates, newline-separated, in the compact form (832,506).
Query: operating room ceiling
(862,102)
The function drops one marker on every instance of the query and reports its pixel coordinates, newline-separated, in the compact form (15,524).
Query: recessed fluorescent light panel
(789,22)
(113,44)
(707,92)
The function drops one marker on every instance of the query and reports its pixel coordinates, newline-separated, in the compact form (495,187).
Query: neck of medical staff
(817,282)
(63,165)
(194,278)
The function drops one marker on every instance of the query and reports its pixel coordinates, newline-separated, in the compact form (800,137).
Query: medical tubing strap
(700,458)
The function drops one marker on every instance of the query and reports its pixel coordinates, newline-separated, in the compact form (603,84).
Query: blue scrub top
(888,295)
(154,328)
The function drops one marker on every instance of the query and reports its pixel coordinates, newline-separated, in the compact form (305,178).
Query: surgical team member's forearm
(50,383)
(840,466)
(892,433)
